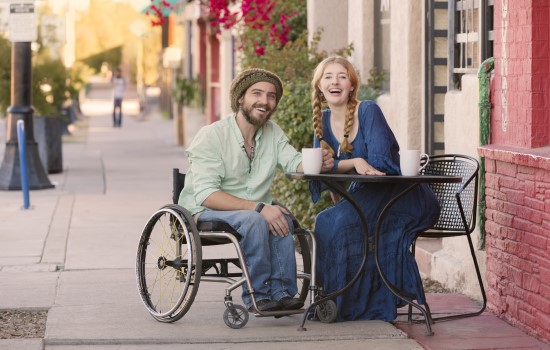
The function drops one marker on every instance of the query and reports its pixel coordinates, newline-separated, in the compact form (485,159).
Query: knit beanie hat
(249,77)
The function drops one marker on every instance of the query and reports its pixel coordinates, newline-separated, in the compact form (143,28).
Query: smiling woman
(357,134)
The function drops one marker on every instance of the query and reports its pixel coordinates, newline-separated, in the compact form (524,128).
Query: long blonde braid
(317,100)
(346,146)
(317,105)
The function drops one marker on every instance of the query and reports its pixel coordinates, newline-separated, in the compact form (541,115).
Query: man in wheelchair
(232,166)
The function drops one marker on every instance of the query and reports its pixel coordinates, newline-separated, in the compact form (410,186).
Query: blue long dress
(340,238)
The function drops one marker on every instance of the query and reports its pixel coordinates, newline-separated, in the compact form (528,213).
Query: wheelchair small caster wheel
(326,312)
(235,316)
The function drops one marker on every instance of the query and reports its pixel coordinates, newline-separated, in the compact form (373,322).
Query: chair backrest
(458,201)
(178,181)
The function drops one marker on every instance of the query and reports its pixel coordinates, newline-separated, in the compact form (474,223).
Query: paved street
(73,253)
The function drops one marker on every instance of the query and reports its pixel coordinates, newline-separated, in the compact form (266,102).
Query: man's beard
(247,113)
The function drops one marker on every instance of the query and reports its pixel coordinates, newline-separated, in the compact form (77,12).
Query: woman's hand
(328,162)
(364,168)
(335,197)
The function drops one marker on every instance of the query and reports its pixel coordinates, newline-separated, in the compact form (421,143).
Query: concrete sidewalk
(73,254)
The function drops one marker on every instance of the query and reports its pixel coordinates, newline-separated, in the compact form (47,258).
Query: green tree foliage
(188,92)
(52,84)
(78,76)
(5,75)
(49,89)
(295,61)
(113,57)
(184,91)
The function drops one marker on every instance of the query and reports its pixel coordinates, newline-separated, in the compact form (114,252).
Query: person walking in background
(361,141)
(119,87)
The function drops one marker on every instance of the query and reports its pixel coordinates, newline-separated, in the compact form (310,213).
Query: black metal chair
(170,264)
(458,212)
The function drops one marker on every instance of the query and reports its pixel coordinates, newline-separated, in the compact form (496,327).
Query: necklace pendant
(250,153)
(250,149)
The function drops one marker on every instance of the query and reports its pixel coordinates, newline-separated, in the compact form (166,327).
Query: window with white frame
(470,37)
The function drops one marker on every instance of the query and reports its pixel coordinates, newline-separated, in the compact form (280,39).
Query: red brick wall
(517,165)
(517,189)
(521,114)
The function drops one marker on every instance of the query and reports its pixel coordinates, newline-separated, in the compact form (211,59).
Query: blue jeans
(270,259)
(117,112)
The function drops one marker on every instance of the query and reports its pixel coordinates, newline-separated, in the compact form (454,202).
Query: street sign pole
(21,34)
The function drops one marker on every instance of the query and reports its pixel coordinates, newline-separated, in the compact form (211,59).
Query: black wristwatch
(259,207)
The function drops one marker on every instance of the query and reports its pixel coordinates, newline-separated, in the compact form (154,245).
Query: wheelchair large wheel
(303,256)
(169,263)
(303,262)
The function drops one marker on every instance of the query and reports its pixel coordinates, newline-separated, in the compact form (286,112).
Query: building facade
(518,167)
(434,54)
(430,101)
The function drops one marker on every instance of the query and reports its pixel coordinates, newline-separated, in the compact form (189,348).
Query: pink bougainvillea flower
(255,14)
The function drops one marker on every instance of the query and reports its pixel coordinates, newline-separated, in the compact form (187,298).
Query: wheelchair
(170,267)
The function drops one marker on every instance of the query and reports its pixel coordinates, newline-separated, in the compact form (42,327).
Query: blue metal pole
(23,162)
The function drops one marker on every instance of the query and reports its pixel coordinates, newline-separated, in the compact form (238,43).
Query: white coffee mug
(410,162)
(312,160)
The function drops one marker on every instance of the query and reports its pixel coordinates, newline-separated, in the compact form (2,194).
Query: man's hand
(275,217)
(328,162)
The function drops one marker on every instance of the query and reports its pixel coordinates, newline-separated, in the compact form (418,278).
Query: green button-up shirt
(218,162)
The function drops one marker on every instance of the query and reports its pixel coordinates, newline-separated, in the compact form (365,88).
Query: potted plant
(183,93)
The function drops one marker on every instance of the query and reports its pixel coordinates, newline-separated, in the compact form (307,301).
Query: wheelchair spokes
(167,265)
